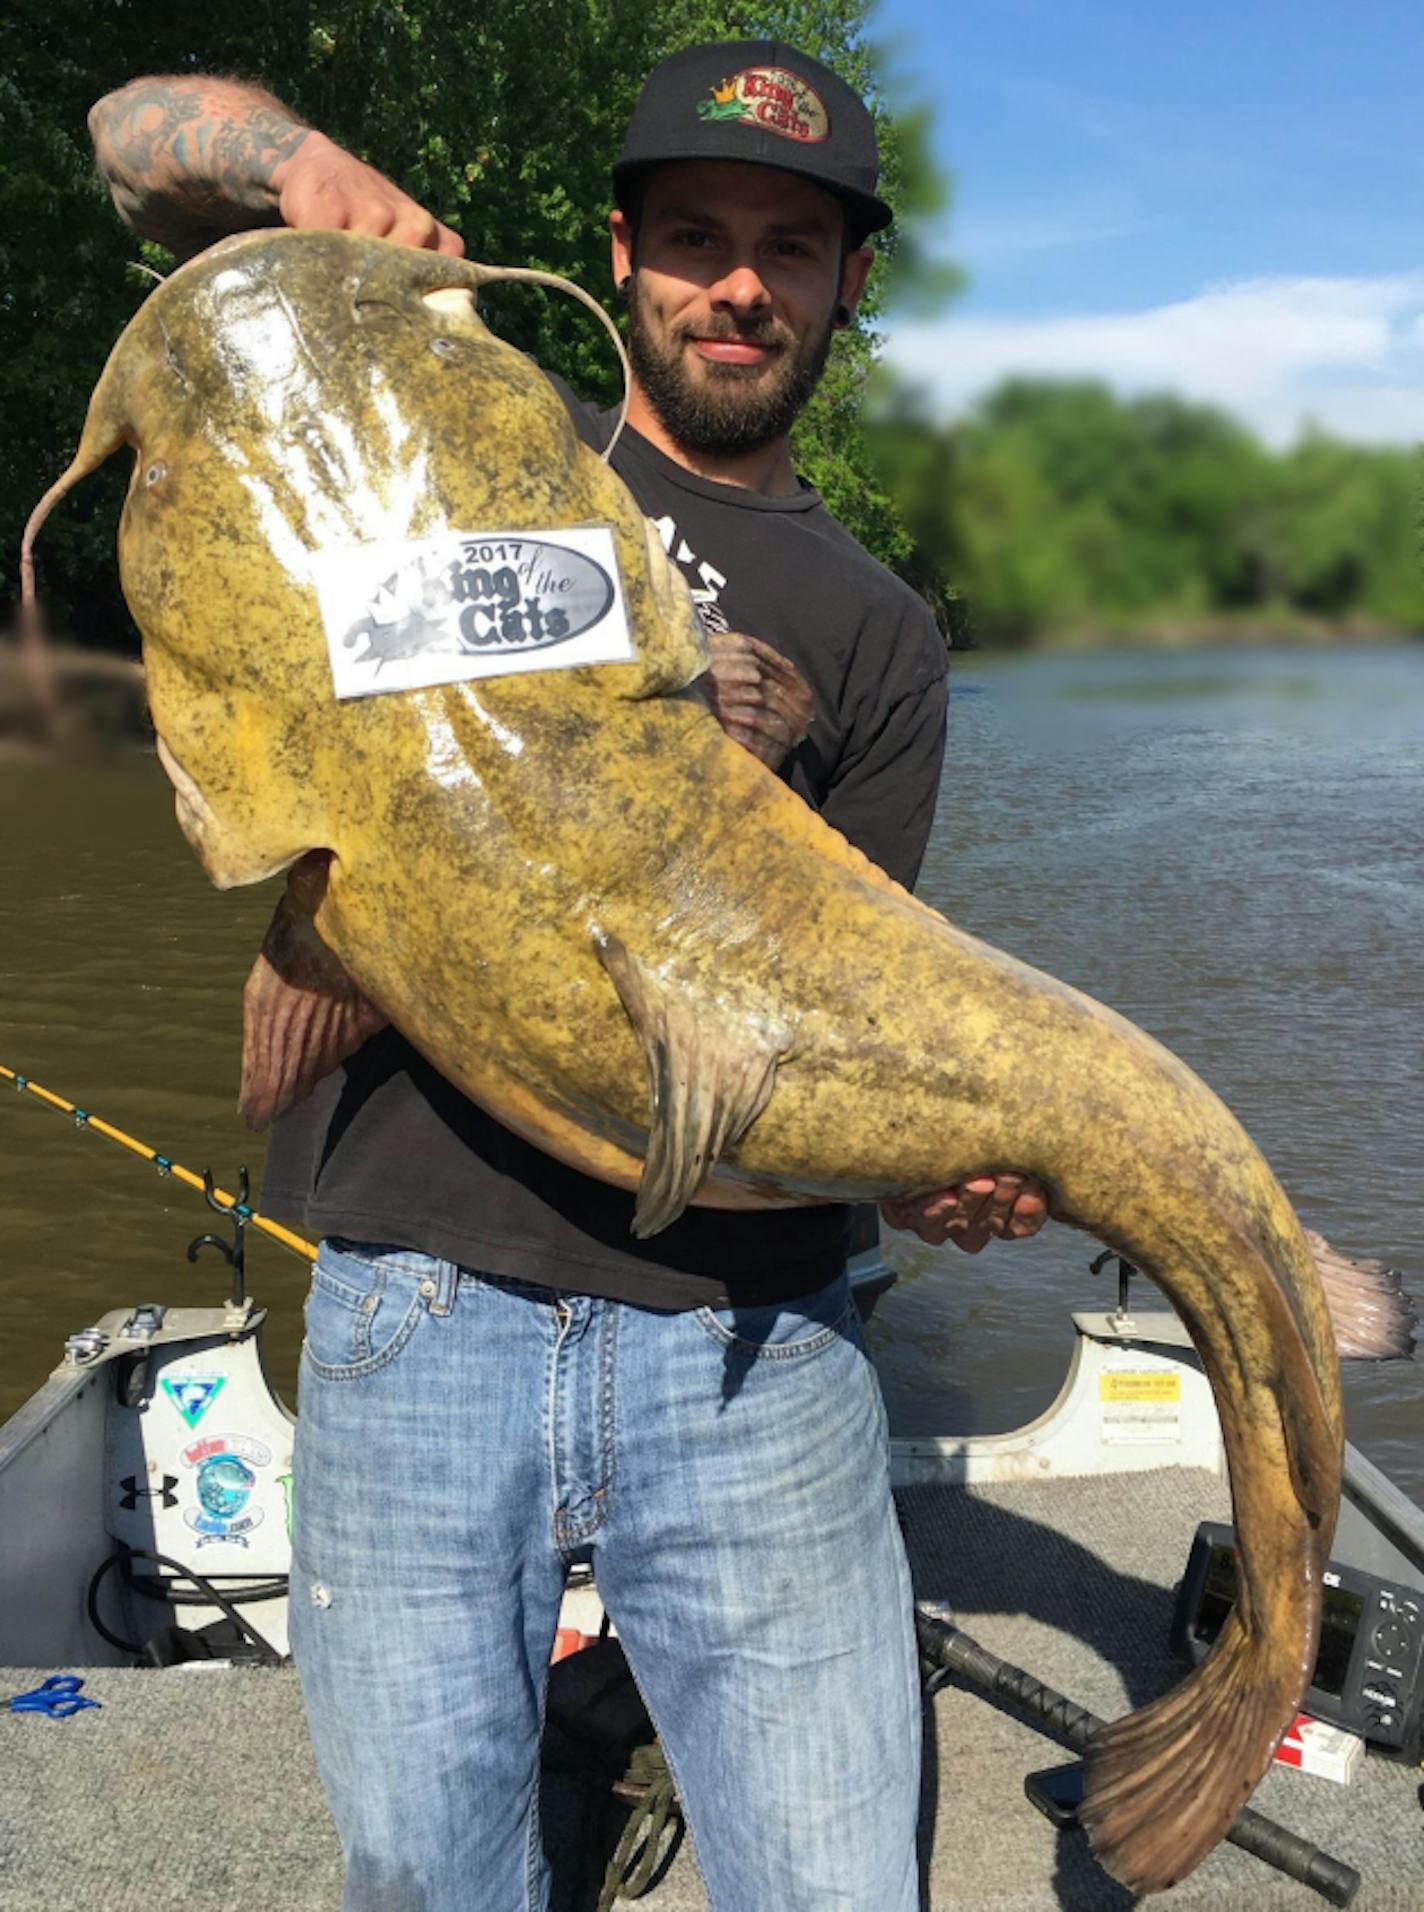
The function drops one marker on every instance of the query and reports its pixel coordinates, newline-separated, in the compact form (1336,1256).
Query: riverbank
(101,698)
(1278,630)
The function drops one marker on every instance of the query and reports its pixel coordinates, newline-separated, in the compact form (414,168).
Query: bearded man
(498,1380)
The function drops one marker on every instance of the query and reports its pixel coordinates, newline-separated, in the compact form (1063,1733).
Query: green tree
(504,121)
(1345,536)
(1059,509)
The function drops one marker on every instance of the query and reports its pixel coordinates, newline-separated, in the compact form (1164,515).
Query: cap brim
(868,212)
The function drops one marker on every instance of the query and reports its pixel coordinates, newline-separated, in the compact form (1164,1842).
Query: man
(498,1380)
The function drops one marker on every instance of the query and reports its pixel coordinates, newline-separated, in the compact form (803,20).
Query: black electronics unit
(1369,1670)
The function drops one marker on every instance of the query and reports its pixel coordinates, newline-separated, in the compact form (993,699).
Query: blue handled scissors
(58,1696)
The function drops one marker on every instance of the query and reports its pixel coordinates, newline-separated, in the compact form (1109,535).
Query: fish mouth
(232,853)
(453,301)
(193,811)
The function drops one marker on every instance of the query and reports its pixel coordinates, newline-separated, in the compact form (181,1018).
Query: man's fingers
(773,662)
(329,188)
(414,226)
(754,698)
(1007,1189)
(736,674)
(788,703)
(1009,1205)
(909,1211)
(977,1199)
(973,1213)
(741,659)
(1030,1212)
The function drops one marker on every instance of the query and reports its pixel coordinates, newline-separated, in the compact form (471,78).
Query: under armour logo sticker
(133,1493)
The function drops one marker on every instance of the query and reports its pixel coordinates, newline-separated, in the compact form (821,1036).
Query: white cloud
(1347,354)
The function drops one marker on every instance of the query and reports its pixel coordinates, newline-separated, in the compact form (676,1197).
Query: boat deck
(195,1789)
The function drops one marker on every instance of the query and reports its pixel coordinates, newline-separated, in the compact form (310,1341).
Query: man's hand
(321,185)
(1006,1206)
(760,698)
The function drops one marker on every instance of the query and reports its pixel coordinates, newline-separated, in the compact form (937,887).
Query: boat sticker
(409,613)
(193,1394)
(133,1493)
(243,1445)
(225,1484)
(225,1468)
(1140,1404)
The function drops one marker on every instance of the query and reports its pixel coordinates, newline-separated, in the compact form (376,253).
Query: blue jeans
(461,1441)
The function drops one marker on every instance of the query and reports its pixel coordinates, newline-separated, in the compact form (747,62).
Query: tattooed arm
(190,159)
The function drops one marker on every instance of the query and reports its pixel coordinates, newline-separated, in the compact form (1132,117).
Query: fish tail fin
(1373,1314)
(1164,1784)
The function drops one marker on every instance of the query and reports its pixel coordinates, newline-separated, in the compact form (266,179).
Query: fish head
(294,396)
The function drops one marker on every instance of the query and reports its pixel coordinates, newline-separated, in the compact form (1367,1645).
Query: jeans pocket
(362,1309)
(785,1330)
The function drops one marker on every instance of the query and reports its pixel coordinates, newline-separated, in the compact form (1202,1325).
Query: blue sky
(1222,200)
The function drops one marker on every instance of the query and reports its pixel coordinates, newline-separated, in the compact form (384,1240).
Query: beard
(722,410)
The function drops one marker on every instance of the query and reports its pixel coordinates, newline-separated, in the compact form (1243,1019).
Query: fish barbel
(622,936)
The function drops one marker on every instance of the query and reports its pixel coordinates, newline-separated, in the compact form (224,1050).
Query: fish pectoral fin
(710,1078)
(1372,1312)
(302,1015)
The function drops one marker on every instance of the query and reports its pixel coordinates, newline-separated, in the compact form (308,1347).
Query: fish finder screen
(1339,1620)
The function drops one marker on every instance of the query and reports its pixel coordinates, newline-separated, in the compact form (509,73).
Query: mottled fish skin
(563,887)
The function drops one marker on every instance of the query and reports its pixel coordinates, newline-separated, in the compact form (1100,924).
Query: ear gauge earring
(843,317)
(625,286)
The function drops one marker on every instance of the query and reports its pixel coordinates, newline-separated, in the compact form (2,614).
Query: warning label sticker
(1140,1404)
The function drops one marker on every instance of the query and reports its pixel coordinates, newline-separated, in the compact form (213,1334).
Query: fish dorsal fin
(710,1078)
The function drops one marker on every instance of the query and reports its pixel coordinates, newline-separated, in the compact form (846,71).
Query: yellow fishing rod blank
(163,1163)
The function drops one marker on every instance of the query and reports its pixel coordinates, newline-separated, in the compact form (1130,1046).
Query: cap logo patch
(770,97)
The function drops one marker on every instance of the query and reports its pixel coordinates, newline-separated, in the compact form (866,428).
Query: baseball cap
(760,101)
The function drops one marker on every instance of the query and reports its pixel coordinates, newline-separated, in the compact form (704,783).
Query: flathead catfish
(610,925)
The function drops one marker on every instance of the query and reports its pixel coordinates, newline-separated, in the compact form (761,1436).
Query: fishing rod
(947,1652)
(241,1210)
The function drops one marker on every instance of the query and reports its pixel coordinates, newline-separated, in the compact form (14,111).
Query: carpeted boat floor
(194,1790)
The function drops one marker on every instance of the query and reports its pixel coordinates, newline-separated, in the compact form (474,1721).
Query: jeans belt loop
(447,1281)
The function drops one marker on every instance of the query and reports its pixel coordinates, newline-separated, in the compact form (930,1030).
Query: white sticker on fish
(412,612)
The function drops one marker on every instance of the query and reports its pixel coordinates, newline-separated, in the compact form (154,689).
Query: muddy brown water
(1226,846)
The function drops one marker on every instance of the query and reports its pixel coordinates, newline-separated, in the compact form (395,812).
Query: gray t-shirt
(385,1150)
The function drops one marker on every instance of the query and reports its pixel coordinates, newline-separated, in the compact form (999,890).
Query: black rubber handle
(1289,1853)
(945,1648)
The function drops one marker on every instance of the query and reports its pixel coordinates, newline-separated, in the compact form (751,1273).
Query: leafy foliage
(1061,510)
(1054,509)
(503,121)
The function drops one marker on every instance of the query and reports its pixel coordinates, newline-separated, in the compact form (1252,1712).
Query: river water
(1227,846)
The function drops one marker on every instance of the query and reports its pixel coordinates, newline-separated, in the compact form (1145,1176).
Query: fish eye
(155,472)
